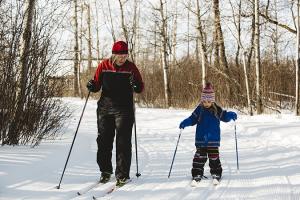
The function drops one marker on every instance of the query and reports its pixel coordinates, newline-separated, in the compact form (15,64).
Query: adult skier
(118,78)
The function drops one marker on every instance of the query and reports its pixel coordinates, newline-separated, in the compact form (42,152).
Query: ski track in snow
(269,158)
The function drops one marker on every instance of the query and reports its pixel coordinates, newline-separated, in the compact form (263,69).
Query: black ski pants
(111,122)
(200,159)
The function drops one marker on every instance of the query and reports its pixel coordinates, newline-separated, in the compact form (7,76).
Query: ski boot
(105,177)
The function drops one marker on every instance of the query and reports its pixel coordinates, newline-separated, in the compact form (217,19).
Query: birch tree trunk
(297,106)
(174,34)
(80,49)
(125,31)
(130,32)
(76,53)
(276,38)
(250,111)
(251,51)
(135,27)
(219,35)
(259,105)
(216,53)
(237,23)
(238,27)
(111,22)
(188,29)
(156,30)
(97,32)
(13,133)
(202,47)
(89,39)
(164,49)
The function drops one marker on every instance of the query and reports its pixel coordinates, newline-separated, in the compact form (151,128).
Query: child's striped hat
(208,93)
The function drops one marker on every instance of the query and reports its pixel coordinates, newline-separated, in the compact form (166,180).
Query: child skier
(207,116)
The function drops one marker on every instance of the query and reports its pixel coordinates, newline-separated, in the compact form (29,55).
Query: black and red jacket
(115,83)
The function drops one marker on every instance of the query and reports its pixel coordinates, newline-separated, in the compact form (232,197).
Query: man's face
(121,59)
(207,104)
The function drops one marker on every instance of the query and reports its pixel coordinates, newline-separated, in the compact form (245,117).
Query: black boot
(197,178)
(216,176)
(122,181)
(105,177)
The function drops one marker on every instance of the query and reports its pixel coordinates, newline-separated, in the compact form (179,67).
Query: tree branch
(269,19)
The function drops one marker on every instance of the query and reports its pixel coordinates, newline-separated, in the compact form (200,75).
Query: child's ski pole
(174,153)
(236,148)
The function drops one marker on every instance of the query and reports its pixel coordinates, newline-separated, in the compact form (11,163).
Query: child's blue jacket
(208,125)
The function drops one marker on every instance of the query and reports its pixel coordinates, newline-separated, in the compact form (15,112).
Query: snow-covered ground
(269,157)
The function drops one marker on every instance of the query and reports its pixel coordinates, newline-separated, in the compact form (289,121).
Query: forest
(248,49)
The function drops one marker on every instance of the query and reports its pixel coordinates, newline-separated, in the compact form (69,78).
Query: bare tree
(174,33)
(275,36)
(201,40)
(135,29)
(123,24)
(297,103)
(97,31)
(80,49)
(188,28)
(276,22)
(112,29)
(259,105)
(13,135)
(76,52)
(164,51)
(89,38)
(251,49)
(237,24)
(129,30)
(219,39)
(40,115)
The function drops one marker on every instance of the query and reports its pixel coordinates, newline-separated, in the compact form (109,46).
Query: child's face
(207,104)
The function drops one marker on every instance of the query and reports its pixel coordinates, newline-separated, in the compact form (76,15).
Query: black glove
(91,86)
(134,84)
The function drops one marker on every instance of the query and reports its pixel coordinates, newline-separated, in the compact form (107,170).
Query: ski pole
(136,151)
(131,79)
(58,187)
(236,148)
(174,153)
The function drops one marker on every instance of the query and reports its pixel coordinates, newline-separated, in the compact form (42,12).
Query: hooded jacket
(208,125)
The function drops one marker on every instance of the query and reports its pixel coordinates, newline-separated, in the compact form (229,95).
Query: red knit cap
(208,93)
(120,47)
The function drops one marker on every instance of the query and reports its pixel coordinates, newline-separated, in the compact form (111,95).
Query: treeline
(278,86)
(245,48)
(28,60)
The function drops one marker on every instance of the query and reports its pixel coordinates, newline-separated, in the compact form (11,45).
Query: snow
(269,158)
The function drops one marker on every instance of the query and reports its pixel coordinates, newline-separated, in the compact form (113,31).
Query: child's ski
(195,183)
(199,183)
(216,181)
